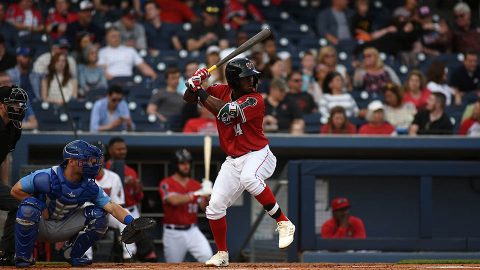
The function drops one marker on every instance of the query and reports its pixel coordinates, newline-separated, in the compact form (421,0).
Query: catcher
(52,207)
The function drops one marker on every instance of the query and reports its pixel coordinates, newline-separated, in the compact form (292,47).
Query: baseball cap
(375,106)
(211,9)
(24,51)
(401,12)
(86,5)
(340,203)
(62,43)
(213,49)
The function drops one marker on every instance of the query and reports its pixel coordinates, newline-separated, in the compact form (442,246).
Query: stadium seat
(312,123)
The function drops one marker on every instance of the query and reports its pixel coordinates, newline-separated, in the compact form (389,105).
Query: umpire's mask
(15,99)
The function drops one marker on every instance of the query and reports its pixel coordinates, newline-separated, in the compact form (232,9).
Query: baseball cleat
(219,259)
(286,230)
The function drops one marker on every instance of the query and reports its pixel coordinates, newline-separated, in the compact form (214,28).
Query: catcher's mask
(240,68)
(15,99)
(89,157)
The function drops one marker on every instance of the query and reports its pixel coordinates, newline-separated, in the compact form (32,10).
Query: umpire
(13,104)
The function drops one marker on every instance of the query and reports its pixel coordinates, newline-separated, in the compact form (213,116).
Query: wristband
(128,219)
(202,94)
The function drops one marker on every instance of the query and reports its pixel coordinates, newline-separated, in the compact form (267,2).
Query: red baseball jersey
(185,214)
(243,134)
(331,229)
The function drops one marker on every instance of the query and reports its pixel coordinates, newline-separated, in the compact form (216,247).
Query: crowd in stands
(331,67)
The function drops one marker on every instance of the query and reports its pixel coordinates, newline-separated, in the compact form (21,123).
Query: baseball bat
(207,155)
(245,46)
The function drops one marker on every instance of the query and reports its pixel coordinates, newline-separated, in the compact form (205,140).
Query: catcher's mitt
(132,232)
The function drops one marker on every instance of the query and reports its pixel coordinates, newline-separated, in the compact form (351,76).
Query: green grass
(439,262)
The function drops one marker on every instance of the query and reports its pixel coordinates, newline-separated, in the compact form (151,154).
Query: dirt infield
(255,266)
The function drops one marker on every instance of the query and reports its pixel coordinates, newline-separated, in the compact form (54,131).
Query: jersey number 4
(238,129)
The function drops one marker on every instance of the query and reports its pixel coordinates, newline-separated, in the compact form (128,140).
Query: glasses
(459,15)
(367,55)
(296,80)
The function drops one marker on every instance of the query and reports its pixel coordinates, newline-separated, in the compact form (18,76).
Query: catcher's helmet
(239,68)
(16,99)
(90,158)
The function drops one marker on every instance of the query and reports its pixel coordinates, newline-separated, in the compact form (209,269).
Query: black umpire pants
(8,203)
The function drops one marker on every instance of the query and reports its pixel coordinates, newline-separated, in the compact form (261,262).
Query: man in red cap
(342,224)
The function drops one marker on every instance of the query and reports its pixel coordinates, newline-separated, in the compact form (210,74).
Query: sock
(270,205)
(219,231)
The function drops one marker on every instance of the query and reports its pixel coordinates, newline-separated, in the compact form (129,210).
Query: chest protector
(65,197)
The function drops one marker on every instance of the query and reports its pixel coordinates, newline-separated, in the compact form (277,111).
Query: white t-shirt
(112,185)
(119,61)
(442,88)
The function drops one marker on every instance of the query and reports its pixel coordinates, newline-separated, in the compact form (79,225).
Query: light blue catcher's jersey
(61,196)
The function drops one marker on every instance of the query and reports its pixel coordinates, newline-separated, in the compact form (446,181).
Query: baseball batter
(239,109)
(52,206)
(181,196)
(112,185)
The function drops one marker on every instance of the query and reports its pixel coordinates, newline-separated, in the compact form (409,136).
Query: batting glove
(194,83)
(203,73)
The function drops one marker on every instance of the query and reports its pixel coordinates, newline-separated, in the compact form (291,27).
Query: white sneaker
(286,230)
(219,259)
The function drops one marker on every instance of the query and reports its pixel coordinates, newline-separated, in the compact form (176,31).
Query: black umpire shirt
(441,126)
(9,135)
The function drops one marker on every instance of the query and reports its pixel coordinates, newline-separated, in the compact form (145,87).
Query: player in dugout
(343,224)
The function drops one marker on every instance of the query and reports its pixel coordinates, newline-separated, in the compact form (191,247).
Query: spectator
(22,76)
(133,189)
(471,126)
(7,30)
(118,60)
(334,23)
(308,67)
(176,11)
(59,80)
(275,69)
(343,224)
(437,75)
(190,68)
(328,56)
(212,57)
(271,52)
(433,120)
(408,9)
(303,100)
(415,91)
(281,114)
(362,21)
(61,45)
(132,33)
(465,33)
(466,78)
(338,123)
(435,37)
(167,103)
(160,35)
(83,41)
(397,112)
(30,121)
(208,31)
(373,75)
(204,124)
(25,18)
(90,76)
(240,12)
(7,59)
(333,96)
(111,112)
(181,201)
(376,121)
(85,24)
(316,91)
(59,18)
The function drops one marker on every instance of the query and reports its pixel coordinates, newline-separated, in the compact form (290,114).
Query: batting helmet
(182,155)
(239,68)
(90,158)
(16,99)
